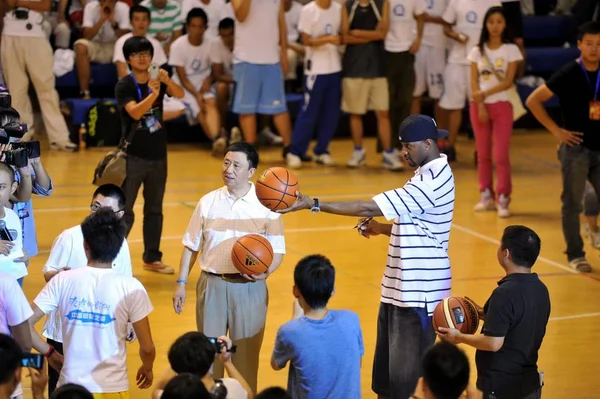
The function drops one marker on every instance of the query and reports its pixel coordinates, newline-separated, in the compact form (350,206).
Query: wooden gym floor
(569,355)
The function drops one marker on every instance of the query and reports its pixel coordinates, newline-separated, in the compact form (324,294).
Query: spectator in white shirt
(214,10)
(103,22)
(166,21)
(11,370)
(96,303)
(68,253)
(295,48)
(190,56)
(56,22)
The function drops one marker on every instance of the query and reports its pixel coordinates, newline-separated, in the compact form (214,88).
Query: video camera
(12,130)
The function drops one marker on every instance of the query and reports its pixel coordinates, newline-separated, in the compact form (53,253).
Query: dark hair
(103,232)
(192,353)
(226,23)
(111,191)
(446,370)
(71,391)
(185,386)
(314,277)
(523,244)
(11,355)
(137,44)
(273,393)
(507,36)
(140,9)
(8,169)
(248,149)
(588,28)
(196,13)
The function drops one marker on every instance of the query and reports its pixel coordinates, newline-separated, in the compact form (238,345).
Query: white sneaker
(293,161)
(392,161)
(268,137)
(581,265)
(235,136)
(218,147)
(358,158)
(594,235)
(486,203)
(503,202)
(325,159)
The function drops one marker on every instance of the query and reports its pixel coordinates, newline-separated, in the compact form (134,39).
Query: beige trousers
(25,58)
(237,306)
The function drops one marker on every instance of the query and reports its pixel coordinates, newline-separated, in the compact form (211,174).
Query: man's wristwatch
(315,208)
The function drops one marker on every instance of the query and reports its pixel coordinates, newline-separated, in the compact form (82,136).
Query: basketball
(252,254)
(276,188)
(456,312)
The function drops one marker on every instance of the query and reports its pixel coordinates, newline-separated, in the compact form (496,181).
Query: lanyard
(139,91)
(588,79)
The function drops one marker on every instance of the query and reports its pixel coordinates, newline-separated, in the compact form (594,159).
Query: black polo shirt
(517,310)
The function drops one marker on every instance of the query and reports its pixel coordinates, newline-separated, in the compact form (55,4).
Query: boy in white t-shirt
(190,56)
(320,26)
(295,49)
(464,19)
(96,303)
(13,258)
(68,253)
(214,10)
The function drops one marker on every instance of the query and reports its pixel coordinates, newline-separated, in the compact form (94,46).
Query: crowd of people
(239,55)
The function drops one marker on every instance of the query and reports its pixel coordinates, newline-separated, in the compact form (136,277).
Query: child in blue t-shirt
(324,347)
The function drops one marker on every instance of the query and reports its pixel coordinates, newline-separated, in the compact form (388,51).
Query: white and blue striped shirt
(417,273)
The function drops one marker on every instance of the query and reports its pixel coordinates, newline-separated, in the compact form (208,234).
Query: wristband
(181,281)
(50,351)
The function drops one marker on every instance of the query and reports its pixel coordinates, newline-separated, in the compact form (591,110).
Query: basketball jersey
(257,38)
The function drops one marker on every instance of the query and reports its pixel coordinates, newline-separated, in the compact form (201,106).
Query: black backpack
(103,125)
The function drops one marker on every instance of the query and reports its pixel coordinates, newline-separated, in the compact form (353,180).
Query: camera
(11,131)
(219,345)
(33,360)
(21,13)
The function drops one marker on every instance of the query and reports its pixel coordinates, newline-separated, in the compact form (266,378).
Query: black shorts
(514,18)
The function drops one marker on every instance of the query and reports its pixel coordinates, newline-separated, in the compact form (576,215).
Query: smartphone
(154,71)
(34,360)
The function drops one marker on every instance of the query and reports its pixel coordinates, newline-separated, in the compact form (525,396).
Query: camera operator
(194,353)
(11,370)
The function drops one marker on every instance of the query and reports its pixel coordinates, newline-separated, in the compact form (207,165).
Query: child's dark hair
(196,13)
(588,28)
(314,277)
(71,391)
(523,244)
(139,9)
(137,44)
(103,232)
(186,386)
(248,149)
(9,170)
(446,370)
(226,23)
(11,355)
(273,393)
(111,191)
(507,36)
(192,353)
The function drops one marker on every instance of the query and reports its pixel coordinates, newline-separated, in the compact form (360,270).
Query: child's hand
(5,247)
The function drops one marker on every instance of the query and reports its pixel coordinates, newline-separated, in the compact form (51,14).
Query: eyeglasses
(94,207)
(144,54)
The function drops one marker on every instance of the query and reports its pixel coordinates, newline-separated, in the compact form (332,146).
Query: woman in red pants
(493,68)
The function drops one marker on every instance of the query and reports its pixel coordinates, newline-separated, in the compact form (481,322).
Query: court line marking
(575,316)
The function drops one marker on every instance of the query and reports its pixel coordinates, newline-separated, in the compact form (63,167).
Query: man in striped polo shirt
(417,273)
(166,21)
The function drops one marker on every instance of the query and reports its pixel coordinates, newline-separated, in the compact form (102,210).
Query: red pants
(493,137)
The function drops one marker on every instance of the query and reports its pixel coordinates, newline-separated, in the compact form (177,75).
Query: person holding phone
(140,100)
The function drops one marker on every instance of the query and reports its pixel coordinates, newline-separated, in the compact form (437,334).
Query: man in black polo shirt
(515,318)
(577,86)
(140,100)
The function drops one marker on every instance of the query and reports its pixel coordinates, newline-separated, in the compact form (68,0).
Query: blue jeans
(578,164)
(403,337)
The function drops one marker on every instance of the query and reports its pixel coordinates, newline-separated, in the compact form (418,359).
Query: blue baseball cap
(420,128)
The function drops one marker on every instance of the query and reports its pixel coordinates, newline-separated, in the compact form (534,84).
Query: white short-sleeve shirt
(7,262)
(159,58)
(219,220)
(213,10)
(106,34)
(499,58)
(194,59)
(292,19)
(316,21)
(403,25)
(96,305)
(220,54)
(433,34)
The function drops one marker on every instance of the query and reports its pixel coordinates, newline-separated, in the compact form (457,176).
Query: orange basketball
(456,312)
(276,188)
(252,254)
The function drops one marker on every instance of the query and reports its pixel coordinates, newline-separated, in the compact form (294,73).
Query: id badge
(152,123)
(595,110)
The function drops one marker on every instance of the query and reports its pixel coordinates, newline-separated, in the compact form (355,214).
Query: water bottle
(82,136)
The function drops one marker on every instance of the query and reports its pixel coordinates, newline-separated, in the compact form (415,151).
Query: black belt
(228,276)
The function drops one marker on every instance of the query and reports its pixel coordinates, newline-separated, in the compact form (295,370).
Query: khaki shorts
(112,395)
(101,53)
(360,95)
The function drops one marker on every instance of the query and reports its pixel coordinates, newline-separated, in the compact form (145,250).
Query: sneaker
(594,235)
(325,159)
(358,158)
(158,267)
(391,161)
(267,136)
(486,203)
(218,146)
(503,202)
(67,146)
(293,161)
(236,135)
(581,265)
